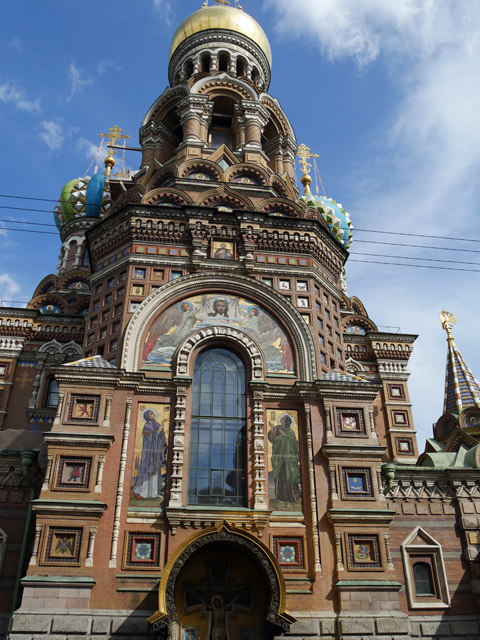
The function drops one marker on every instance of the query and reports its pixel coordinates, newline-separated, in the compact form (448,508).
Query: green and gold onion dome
(335,216)
(89,196)
(225,18)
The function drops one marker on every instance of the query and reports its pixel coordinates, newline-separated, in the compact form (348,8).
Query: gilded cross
(223,3)
(114,135)
(304,154)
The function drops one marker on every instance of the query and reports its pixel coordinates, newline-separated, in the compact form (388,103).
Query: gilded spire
(461,387)
(114,135)
(304,154)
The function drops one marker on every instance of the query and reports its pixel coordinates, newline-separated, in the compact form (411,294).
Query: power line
(418,246)
(383,255)
(418,266)
(414,235)
(51,233)
(37,224)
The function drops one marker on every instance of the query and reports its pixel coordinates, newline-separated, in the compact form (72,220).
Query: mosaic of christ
(191,314)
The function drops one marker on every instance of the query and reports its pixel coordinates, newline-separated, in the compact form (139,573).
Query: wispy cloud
(16,44)
(17,96)
(104,65)
(8,287)
(78,80)
(54,132)
(165,8)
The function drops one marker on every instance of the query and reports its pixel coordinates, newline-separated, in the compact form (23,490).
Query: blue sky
(386,93)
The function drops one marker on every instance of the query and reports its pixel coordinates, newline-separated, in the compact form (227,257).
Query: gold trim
(229,18)
(162,587)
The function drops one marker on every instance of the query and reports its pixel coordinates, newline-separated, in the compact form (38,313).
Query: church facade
(226,444)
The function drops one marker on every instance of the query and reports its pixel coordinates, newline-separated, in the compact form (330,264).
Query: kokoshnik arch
(227,449)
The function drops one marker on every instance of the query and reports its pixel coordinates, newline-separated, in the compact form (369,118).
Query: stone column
(259,452)
(178,447)
(256,118)
(194,112)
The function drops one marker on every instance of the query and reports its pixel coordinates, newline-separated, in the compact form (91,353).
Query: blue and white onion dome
(335,216)
(89,196)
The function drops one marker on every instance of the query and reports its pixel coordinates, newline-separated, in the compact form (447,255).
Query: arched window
(422,575)
(218,431)
(52,394)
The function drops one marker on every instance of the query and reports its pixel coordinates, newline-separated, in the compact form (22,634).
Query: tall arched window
(51,399)
(218,431)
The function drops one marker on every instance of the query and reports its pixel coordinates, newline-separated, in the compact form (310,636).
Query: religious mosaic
(73,473)
(83,408)
(363,552)
(191,314)
(284,483)
(150,457)
(63,546)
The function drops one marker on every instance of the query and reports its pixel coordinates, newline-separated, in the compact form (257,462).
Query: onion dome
(225,18)
(335,216)
(83,197)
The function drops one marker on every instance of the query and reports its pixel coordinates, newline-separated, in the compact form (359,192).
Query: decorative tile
(400,418)
(73,473)
(404,445)
(396,392)
(289,552)
(84,409)
(350,422)
(363,552)
(63,546)
(142,550)
(357,483)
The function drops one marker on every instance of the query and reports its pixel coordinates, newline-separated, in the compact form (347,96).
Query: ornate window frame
(431,551)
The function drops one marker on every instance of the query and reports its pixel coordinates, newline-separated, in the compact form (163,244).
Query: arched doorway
(222,584)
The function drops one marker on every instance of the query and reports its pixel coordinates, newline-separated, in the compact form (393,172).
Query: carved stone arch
(164,103)
(49,298)
(277,115)
(357,306)
(223,195)
(283,205)
(72,276)
(198,164)
(279,185)
(247,169)
(280,308)
(160,177)
(277,615)
(354,367)
(51,347)
(47,283)
(360,321)
(225,85)
(196,341)
(171,195)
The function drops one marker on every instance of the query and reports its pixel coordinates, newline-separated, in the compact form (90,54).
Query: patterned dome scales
(335,216)
(83,197)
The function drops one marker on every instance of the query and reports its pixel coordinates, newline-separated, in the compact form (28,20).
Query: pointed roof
(94,362)
(461,387)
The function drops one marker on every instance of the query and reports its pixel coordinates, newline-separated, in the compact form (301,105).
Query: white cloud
(10,94)
(166,8)
(104,65)
(78,81)
(8,287)
(53,134)
(418,169)
(16,44)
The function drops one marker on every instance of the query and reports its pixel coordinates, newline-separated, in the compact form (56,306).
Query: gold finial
(114,135)
(448,320)
(304,154)
(223,3)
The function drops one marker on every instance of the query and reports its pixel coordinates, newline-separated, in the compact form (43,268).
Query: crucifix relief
(219,599)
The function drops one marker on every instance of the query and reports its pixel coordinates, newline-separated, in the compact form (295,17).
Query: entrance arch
(222,584)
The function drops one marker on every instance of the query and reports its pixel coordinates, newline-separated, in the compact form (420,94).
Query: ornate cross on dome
(304,154)
(114,135)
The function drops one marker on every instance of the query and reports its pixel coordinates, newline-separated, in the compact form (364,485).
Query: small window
(52,394)
(423,578)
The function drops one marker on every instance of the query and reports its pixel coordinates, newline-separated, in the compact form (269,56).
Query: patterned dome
(83,197)
(335,216)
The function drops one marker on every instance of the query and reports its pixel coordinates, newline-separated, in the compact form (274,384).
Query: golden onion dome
(222,17)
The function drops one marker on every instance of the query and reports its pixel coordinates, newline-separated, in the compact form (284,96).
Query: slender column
(386,537)
(256,117)
(313,494)
(48,471)
(259,452)
(338,551)
(91,545)
(108,407)
(178,447)
(372,424)
(98,483)
(78,255)
(36,383)
(333,483)
(192,111)
(121,481)
(379,483)
(36,543)
(58,416)
(328,419)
